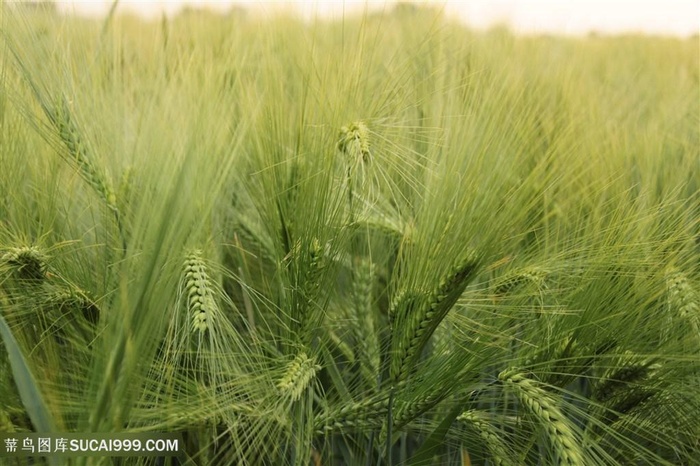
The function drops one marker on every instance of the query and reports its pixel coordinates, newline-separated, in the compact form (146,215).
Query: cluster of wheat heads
(308,256)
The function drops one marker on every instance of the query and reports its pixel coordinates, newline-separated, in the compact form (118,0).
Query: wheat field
(382,240)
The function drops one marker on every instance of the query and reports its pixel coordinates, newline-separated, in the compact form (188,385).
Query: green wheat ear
(417,315)
(544,408)
(298,376)
(81,155)
(624,377)
(200,296)
(683,301)
(354,141)
(682,298)
(26,263)
(370,412)
(518,278)
(362,317)
(489,435)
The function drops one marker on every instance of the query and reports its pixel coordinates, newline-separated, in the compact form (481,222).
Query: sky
(670,17)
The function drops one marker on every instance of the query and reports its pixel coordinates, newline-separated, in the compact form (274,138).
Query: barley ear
(75,299)
(488,434)
(407,410)
(365,327)
(622,379)
(517,278)
(683,300)
(81,155)
(354,142)
(200,296)
(26,263)
(418,315)
(369,413)
(310,280)
(543,408)
(297,377)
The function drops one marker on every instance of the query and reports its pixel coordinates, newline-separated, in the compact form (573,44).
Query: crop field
(382,240)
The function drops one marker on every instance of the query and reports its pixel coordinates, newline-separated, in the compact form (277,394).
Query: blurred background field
(382,239)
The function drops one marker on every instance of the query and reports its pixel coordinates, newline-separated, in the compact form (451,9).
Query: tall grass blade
(29,389)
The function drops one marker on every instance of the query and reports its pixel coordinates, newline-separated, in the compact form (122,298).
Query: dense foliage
(384,240)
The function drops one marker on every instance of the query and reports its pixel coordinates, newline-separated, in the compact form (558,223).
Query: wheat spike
(419,315)
(681,296)
(683,300)
(200,296)
(402,299)
(126,183)
(310,279)
(253,239)
(80,154)
(365,326)
(74,299)
(622,378)
(26,263)
(543,407)
(517,278)
(299,374)
(368,413)
(354,141)
(407,411)
(316,265)
(488,434)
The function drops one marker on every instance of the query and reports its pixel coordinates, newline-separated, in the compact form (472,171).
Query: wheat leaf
(27,386)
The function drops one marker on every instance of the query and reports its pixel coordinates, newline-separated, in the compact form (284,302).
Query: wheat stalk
(543,407)
(297,377)
(418,315)
(488,434)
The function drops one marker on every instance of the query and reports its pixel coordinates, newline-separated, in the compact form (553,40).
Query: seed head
(28,263)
